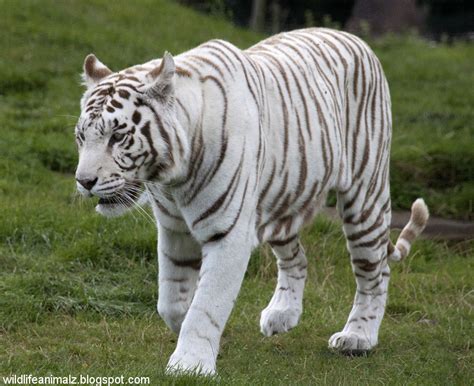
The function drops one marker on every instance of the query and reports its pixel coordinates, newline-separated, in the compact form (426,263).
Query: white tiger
(236,148)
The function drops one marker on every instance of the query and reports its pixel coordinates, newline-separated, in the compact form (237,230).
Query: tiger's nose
(87,183)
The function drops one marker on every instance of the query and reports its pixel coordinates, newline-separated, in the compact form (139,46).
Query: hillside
(44,46)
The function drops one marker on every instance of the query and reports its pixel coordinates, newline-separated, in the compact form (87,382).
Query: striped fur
(235,148)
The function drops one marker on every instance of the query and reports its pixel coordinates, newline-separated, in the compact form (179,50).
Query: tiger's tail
(416,224)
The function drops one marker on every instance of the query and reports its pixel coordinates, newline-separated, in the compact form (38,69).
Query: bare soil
(437,228)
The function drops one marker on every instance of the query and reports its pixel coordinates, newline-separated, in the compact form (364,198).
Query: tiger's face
(124,133)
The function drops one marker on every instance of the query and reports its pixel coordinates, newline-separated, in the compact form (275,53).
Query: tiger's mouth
(114,200)
(125,197)
(121,201)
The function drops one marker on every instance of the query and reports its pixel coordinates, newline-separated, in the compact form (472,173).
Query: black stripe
(220,235)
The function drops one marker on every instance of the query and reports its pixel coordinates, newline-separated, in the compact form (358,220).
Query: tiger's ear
(94,71)
(162,79)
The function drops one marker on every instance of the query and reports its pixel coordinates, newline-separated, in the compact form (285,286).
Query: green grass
(433,131)
(78,292)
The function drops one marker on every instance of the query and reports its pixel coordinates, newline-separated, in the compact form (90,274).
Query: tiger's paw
(277,321)
(189,363)
(351,343)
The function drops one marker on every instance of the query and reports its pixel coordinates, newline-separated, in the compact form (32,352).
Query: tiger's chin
(112,210)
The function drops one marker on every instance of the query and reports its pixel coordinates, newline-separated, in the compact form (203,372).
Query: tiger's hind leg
(285,308)
(366,226)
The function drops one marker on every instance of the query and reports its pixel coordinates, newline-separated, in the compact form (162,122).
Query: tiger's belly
(293,189)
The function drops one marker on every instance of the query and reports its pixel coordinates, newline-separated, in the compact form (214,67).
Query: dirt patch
(437,228)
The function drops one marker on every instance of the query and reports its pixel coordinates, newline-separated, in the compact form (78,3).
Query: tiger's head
(127,133)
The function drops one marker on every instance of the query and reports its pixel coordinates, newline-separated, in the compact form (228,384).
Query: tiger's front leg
(179,260)
(223,267)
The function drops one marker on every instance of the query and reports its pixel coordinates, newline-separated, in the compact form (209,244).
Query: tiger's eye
(117,137)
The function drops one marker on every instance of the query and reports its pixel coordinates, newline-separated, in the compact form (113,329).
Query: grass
(78,292)
(433,134)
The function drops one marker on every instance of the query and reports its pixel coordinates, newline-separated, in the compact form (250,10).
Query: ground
(78,292)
